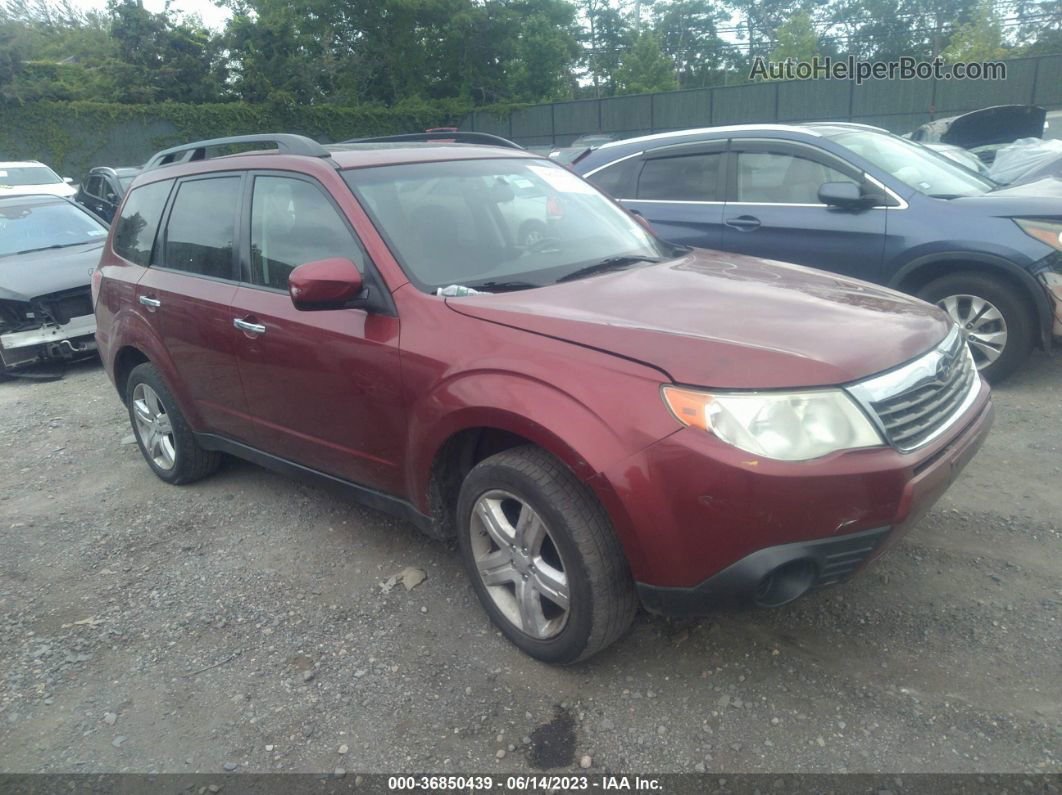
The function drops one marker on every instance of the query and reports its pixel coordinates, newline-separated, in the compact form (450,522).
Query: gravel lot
(240,624)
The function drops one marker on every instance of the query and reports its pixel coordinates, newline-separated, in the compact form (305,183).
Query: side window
(292,223)
(92,186)
(134,229)
(771,177)
(685,178)
(202,227)
(615,179)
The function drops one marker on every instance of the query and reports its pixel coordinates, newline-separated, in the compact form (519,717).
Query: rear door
(323,386)
(679,190)
(773,209)
(187,292)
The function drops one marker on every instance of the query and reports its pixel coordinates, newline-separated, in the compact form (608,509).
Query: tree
(644,68)
(796,39)
(689,37)
(980,39)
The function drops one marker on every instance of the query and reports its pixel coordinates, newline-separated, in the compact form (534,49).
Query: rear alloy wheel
(168,444)
(993,318)
(542,556)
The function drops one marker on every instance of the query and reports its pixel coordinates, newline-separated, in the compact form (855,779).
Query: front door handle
(151,303)
(744,223)
(250,328)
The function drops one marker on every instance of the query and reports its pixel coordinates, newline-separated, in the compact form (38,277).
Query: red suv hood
(724,320)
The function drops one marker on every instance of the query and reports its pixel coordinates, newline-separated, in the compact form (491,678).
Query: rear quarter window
(616,179)
(135,228)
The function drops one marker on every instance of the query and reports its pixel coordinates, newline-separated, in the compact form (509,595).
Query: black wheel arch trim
(1033,289)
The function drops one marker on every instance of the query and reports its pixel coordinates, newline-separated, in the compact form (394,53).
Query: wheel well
(124,362)
(924,274)
(453,461)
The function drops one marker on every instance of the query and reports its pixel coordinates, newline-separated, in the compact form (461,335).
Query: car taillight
(554,208)
(97,280)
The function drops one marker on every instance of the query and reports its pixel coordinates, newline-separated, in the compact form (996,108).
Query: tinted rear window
(134,229)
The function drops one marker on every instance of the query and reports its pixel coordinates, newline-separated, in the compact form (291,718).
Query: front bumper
(71,339)
(703,523)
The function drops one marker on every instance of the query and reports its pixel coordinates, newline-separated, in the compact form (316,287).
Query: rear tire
(165,440)
(564,551)
(994,316)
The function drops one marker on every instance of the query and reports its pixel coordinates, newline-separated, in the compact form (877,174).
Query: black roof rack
(286,143)
(441,136)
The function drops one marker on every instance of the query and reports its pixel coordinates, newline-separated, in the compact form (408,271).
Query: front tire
(542,556)
(165,440)
(995,319)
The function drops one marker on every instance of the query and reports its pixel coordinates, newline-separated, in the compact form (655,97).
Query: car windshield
(498,223)
(27,175)
(34,226)
(913,165)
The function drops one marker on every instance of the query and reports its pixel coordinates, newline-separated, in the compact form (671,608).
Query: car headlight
(1044,231)
(790,426)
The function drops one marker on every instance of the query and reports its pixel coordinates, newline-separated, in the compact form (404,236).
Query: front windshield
(501,223)
(34,226)
(27,175)
(913,165)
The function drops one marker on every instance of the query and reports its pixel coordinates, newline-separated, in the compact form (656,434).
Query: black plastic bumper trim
(835,560)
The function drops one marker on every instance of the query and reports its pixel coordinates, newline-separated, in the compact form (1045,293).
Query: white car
(30,176)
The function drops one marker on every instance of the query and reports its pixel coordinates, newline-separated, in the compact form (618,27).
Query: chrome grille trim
(914,404)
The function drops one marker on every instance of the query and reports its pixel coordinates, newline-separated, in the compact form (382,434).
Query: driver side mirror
(325,284)
(68,180)
(842,194)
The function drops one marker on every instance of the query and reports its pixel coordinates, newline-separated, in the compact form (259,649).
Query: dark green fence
(896,105)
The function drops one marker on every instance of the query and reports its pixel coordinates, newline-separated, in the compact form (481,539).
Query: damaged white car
(48,249)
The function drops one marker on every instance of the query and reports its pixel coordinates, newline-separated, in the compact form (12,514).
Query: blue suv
(860,201)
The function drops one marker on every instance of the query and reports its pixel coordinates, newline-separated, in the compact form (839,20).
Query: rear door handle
(745,223)
(252,328)
(153,303)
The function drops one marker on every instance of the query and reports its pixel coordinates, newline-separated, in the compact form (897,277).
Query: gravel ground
(240,624)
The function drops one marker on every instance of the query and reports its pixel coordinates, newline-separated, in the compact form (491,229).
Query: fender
(1033,289)
(131,330)
(544,415)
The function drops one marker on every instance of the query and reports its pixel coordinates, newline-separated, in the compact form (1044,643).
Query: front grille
(63,306)
(916,403)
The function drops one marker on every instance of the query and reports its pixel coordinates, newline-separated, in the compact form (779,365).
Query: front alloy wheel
(542,556)
(981,323)
(519,564)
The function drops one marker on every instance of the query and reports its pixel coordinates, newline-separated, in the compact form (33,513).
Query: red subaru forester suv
(477,340)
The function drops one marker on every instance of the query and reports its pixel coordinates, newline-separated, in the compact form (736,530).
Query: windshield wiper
(607,264)
(502,287)
(54,245)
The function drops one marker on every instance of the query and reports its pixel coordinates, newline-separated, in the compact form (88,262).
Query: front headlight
(1044,231)
(791,426)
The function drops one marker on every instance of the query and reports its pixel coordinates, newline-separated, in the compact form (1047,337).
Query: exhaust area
(785,583)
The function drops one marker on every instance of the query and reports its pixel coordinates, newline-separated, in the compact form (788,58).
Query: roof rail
(442,136)
(287,143)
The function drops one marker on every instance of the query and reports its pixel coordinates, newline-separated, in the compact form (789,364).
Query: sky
(212,16)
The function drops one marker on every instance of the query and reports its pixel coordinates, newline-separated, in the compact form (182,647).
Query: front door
(323,386)
(773,210)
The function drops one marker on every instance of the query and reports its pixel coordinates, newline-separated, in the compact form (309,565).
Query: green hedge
(75,136)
